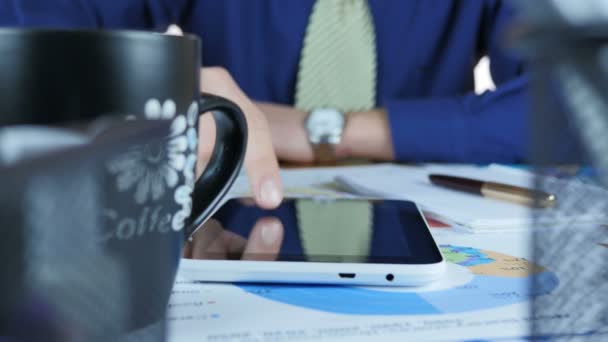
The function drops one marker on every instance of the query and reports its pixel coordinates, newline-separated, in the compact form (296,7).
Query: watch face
(325,124)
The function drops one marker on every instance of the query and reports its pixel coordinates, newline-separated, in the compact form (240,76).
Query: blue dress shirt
(426,50)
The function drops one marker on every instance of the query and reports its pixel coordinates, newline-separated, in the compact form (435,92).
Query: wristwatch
(325,127)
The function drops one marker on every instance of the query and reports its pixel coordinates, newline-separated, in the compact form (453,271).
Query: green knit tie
(338,60)
(337,70)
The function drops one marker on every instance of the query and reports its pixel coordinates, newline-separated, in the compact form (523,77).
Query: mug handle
(225,163)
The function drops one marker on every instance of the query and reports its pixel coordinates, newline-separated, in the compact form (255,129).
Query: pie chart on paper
(475,279)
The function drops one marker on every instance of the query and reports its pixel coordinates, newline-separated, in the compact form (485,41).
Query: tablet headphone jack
(390,277)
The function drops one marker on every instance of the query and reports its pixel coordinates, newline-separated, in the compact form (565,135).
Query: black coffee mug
(52,77)
(148,200)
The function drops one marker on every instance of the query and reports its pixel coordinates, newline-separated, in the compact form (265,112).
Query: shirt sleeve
(121,14)
(491,127)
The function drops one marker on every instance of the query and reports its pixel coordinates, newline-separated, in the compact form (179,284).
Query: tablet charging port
(347,275)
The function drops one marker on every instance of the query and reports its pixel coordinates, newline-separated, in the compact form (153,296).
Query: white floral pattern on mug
(154,168)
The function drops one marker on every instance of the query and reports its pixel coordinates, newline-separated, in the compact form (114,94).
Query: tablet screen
(337,231)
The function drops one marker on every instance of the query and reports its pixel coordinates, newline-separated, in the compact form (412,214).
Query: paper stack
(475,212)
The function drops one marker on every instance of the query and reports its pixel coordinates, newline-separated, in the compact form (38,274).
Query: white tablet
(329,241)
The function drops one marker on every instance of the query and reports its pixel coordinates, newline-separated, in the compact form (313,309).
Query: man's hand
(260,160)
(289,137)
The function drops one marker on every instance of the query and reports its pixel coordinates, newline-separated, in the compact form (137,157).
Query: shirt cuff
(425,130)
